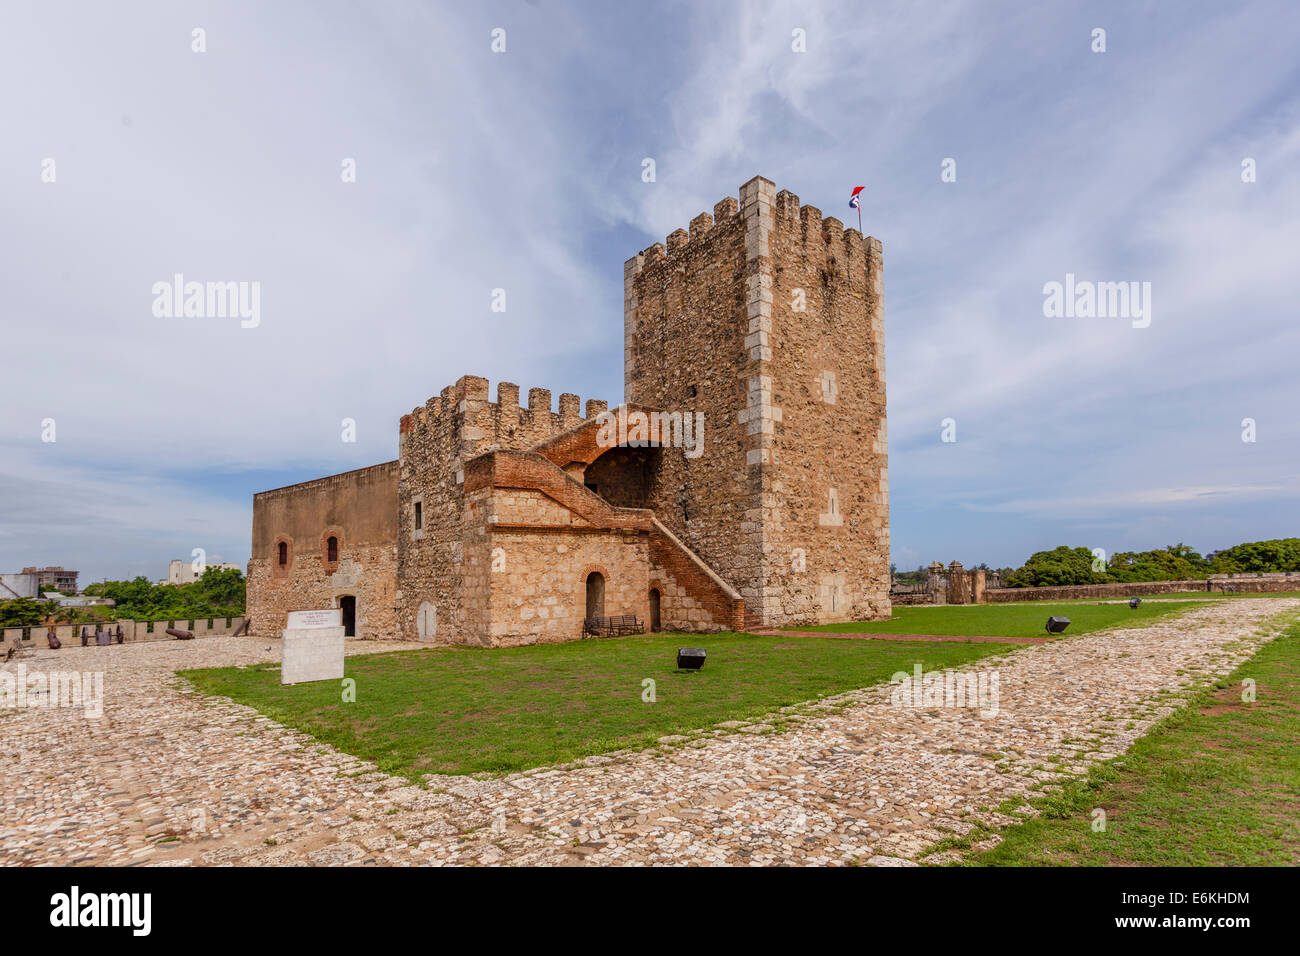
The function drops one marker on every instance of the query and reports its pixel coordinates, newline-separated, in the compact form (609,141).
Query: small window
(332,549)
(419,516)
(284,553)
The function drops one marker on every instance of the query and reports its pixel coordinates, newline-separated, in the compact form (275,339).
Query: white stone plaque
(330,617)
(312,647)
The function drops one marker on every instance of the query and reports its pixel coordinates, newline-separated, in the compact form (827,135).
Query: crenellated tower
(768,318)
(443,556)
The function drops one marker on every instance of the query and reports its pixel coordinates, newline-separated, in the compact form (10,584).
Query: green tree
(1060,566)
(25,612)
(1259,557)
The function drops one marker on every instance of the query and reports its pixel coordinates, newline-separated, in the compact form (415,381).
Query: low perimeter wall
(70,634)
(1252,583)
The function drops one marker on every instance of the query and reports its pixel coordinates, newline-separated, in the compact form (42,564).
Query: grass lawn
(465,710)
(1217,783)
(1012,620)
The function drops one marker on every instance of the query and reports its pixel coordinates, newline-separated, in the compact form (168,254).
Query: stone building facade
(331,542)
(756,497)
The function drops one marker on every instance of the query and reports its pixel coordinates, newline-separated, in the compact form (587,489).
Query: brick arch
(578,446)
(604,571)
(333,531)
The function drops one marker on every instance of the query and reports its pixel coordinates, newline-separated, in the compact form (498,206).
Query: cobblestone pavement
(168,778)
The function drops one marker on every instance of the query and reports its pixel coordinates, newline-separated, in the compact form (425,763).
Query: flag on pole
(855,202)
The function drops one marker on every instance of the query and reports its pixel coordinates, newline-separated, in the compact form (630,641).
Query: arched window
(332,549)
(284,553)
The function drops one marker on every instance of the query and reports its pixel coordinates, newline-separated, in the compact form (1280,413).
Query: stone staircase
(720,600)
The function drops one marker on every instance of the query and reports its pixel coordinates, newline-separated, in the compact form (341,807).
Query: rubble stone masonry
(357,509)
(769,319)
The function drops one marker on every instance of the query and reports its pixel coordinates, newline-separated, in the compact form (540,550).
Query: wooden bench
(612,626)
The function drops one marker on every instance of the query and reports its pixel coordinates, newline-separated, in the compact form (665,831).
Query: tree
(1259,557)
(218,593)
(26,612)
(1060,566)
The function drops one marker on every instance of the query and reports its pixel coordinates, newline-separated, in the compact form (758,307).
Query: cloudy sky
(521,170)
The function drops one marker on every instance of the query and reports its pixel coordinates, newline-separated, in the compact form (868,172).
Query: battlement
(466,407)
(760,212)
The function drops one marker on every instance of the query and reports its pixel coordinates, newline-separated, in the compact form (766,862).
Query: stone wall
(1249,583)
(132,631)
(358,509)
(691,596)
(539,587)
(770,321)
(684,351)
(446,564)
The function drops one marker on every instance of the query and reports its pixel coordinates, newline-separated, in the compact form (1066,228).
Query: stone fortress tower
(770,320)
(501,524)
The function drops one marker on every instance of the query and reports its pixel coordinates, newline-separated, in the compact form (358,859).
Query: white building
(182,572)
(19,585)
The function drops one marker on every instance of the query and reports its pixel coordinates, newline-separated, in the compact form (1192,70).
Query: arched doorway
(595,595)
(348,604)
(654,609)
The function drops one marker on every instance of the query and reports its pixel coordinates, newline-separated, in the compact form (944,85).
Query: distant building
(21,585)
(54,579)
(78,600)
(182,572)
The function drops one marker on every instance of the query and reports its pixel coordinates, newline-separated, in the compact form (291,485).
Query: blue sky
(522,170)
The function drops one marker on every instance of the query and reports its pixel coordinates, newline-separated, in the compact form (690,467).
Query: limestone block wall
(538,590)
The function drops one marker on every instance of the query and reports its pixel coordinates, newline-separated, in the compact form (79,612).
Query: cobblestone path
(166,777)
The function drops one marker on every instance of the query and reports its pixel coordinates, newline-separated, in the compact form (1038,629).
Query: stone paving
(166,777)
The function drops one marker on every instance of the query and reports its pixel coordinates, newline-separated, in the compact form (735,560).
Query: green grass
(1217,783)
(1011,620)
(467,710)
